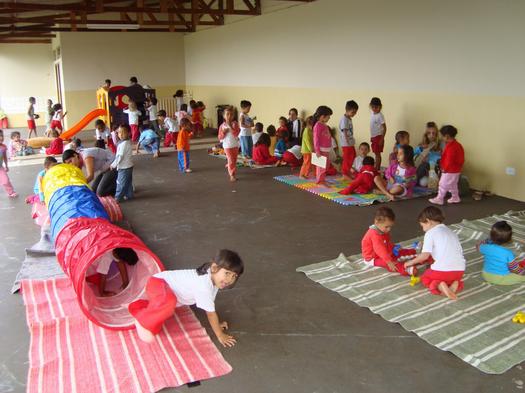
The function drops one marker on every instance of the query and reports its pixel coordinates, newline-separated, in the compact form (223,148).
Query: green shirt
(308,141)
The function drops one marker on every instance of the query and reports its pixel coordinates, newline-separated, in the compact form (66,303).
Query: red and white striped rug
(69,354)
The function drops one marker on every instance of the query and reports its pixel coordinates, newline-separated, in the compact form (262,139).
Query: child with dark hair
(307,147)
(4,168)
(293,157)
(365,180)
(102,132)
(501,266)
(444,277)
(133,119)
(149,141)
(362,152)
(378,249)
(123,163)
(259,130)
(172,128)
(18,146)
(31,116)
(197,118)
(100,144)
(57,144)
(229,137)
(191,105)
(261,152)
(401,174)
(377,129)
(152,114)
(246,124)
(58,115)
(282,130)
(179,99)
(346,137)
(322,140)
(183,145)
(280,146)
(49,162)
(272,132)
(401,138)
(100,272)
(175,288)
(451,164)
(295,127)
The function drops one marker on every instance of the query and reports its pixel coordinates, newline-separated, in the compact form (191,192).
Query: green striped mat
(477,328)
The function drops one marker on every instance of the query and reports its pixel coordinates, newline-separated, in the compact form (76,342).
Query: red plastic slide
(83,123)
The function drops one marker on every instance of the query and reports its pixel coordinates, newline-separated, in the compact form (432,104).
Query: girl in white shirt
(133,120)
(440,245)
(124,165)
(175,288)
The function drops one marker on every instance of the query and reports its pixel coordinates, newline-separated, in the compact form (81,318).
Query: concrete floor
(293,335)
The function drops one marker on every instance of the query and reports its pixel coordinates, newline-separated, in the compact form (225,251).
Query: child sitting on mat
(174,288)
(98,272)
(501,266)
(261,152)
(18,146)
(365,180)
(280,146)
(272,132)
(56,146)
(401,138)
(293,157)
(362,152)
(401,175)
(444,277)
(377,248)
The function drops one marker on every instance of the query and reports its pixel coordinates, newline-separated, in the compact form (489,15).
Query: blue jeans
(151,145)
(124,184)
(184,160)
(246,145)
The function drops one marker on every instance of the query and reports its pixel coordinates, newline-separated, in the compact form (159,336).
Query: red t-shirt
(56,147)
(453,157)
(376,244)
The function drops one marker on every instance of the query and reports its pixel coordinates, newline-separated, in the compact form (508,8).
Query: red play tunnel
(81,242)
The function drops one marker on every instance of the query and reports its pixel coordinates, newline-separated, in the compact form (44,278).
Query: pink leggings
(448,183)
(5,182)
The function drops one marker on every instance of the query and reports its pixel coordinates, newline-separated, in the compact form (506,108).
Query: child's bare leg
(446,291)
(396,190)
(378,161)
(381,185)
(144,334)
(454,286)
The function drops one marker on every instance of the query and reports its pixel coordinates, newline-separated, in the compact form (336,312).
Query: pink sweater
(322,138)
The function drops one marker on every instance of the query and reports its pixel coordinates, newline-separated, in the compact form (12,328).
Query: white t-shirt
(296,151)
(346,132)
(57,115)
(102,134)
(190,288)
(358,163)
(133,116)
(102,265)
(376,120)
(152,110)
(445,248)
(123,157)
(247,120)
(255,137)
(230,141)
(171,124)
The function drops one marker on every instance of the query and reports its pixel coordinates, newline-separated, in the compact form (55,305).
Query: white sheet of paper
(320,161)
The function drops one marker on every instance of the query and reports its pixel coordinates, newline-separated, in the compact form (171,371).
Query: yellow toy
(414,280)
(519,317)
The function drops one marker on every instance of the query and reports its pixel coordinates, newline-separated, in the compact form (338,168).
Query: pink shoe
(436,201)
(454,200)
(13,195)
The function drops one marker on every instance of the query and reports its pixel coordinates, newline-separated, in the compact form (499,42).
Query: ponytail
(323,110)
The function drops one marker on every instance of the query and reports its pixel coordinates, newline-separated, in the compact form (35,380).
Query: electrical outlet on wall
(510,171)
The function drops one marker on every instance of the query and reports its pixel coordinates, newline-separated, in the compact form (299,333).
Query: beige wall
(450,62)
(156,59)
(25,70)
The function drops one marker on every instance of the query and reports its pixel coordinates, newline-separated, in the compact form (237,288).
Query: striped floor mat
(477,328)
(69,354)
(336,184)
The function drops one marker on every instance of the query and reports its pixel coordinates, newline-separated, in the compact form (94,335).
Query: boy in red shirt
(451,164)
(183,145)
(377,248)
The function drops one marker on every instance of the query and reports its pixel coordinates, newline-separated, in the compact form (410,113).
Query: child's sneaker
(454,200)
(188,170)
(436,201)
(13,195)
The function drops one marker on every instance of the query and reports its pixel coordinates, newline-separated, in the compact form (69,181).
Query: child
(377,248)
(18,147)
(102,132)
(451,165)
(246,124)
(444,277)
(282,131)
(402,138)
(191,106)
(113,140)
(149,140)
(500,266)
(56,122)
(57,144)
(49,162)
(31,125)
(183,145)
(322,140)
(76,144)
(294,127)
(197,116)
(174,288)
(229,137)
(124,165)
(365,180)
(179,99)
(377,129)
(133,120)
(261,152)
(271,131)
(152,114)
(307,147)
(293,157)
(401,174)
(280,146)
(172,128)
(346,137)
(49,115)
(364,149)
(182,113)
(99,275)
(4,168)
(259,127)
